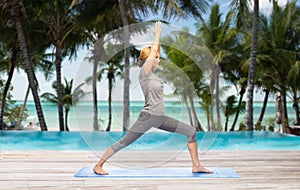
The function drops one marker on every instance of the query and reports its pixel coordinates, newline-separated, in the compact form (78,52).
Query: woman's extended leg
(173,125)
(142,125)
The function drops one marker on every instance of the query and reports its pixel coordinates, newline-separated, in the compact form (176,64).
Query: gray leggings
(146,121)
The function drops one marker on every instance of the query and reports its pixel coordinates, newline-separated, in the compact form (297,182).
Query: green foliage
(70,96)
(12,111)
(242,126)
(230,106)
(271,123)
(259,127)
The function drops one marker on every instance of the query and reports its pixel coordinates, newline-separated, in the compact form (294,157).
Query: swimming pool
(29,140)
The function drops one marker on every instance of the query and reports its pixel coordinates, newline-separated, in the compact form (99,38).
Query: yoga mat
(87,172)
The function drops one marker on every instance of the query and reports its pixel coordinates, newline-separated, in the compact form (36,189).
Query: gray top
(153,90)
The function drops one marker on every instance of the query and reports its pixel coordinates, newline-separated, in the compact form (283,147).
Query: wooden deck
(55,170)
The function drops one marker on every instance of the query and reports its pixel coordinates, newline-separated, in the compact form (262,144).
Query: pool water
(36,140)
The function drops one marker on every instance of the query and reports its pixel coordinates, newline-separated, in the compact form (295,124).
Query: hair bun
(143,56)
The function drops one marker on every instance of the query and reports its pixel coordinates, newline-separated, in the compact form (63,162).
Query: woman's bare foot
(201,169)
(98,170)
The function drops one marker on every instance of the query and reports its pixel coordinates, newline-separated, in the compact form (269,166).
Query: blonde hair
(144,54)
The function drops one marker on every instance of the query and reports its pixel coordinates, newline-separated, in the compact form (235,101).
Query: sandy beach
(55,170)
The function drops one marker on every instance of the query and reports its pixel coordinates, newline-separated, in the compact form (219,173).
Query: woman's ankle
(99,165)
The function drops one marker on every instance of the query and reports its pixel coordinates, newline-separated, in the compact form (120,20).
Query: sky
(78,67)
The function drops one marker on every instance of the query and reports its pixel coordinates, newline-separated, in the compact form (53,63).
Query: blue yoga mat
(157,173)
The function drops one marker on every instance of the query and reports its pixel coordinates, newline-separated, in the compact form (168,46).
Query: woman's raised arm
(155,48)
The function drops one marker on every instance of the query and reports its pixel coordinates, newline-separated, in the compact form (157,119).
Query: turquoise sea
(81,115)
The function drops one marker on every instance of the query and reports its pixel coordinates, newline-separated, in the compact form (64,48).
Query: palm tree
(241,6)
(234,72)
(99,45)
(40,62)
(37,50)
(8,47)
(189,76)
(220,39)
(229,109)
(130,12)
(126,100)
(280,46)
(180,8)
(251,73)
(57,22)
(263,80)
(238,74)
(171,9)
(112,68)
(17,13)
(241,14)
(178,76)
(99,18)
(288,22)
(70,97)
(293,80)
(204,94)
(5,39)
(234,68)
(293,40)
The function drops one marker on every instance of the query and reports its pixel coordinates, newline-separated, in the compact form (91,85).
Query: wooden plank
(55,170)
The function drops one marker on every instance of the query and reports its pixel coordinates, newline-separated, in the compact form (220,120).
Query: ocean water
(81,115)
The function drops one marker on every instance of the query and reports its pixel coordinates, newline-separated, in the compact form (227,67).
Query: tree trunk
(251,72)
(126,102)
(212,92)
(263,109)
(110,81)
(95,101)
(285,119)
(66,118)
(197,124)
(218,99)
(242,92)
(296,107)
(18,124)
(59,87)
(99,55)
(188,110)
(208,120)
(226,123)
(7,84)
(30,74)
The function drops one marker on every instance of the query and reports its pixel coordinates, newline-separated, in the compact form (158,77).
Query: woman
(153,113)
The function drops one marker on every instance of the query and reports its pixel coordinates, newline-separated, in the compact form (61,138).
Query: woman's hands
(157,28)
(156,42)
